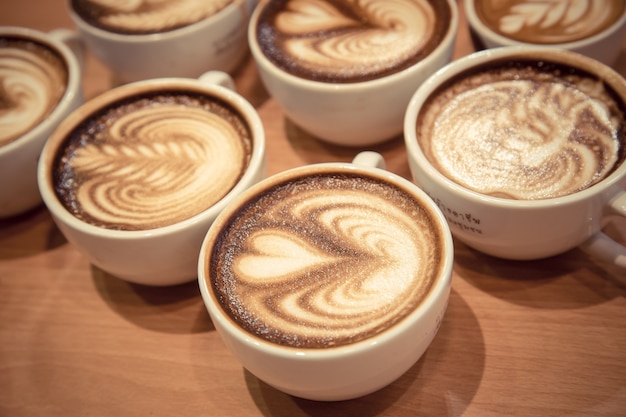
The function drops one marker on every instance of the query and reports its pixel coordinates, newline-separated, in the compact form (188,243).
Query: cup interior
(346,87)
(476,60)
(72,93)
(179,32)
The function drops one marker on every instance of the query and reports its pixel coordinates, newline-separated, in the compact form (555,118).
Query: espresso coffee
(345,41)
(145,16)
(523,129)
(33,79)
(325,259)
(152,160)
(549,21)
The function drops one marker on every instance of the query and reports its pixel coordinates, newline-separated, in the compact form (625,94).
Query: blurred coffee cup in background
(40,84)
(595,28)
(142,40)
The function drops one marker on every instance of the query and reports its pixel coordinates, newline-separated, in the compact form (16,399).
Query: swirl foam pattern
(550,21)
(326,261)
(523,138)
(146,16)
(154,165)
(32,81)
(348,41)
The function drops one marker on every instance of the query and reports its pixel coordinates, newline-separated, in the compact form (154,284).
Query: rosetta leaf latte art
(549,21)
(326,263)
(154,165)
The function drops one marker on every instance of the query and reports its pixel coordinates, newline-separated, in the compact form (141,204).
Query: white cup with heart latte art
(135,176)
(328,281)
(344,71)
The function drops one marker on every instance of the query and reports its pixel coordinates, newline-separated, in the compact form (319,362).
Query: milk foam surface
(549,21)
(523,131)
(348,41)
(146,16)
(33,79)
(153,161)
(326,261)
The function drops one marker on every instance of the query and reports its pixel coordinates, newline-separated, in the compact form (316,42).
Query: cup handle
(369,159)
(218,78)
(73,41)
(602,246)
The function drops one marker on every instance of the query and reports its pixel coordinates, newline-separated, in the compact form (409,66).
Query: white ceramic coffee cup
(165,255)
(347,371)
(215,43)
(18,159)
(604,46)
(350,114)
(522,229)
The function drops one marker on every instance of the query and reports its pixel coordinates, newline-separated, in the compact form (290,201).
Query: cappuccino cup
(135,176)
(328,281)
(595,28)
(40,77)
(345,71)
(148,39)
(523,150)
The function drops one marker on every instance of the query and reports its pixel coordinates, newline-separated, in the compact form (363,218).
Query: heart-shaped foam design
(328,262)
(276,255)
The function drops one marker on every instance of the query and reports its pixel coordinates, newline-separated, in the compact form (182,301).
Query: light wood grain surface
(544,338)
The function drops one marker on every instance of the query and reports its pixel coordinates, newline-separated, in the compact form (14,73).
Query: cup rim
(477,24)
(58,136)
(143,38)
(72,89)
(414,150)
(263,61)
(440,289)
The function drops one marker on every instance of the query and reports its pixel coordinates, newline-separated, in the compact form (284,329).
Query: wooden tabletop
(544,338)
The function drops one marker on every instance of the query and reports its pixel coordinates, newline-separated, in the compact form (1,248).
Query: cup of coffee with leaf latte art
(40,84)
(150,39)
(328,281)
(523,149)
(135,176)
(595,28)
(344,71)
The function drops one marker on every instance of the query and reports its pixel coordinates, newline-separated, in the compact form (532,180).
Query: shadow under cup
(135,177)
(328,281)
(523,150)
